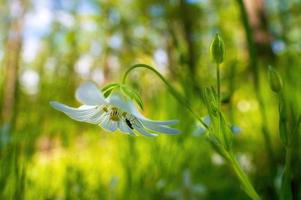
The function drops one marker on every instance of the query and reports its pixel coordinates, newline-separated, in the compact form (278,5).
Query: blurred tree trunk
(188,30)
(107,50)
(13,48)
(259,23)
(73,54)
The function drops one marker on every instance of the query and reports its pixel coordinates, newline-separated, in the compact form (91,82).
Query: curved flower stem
(285,190)
(170,88)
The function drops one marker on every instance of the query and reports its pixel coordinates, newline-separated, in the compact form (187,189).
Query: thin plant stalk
(218,86)
(243,178)
(286,190)
(171,89)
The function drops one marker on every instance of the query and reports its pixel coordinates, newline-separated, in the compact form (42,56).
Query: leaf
(285,190)
(132,94)
(208,95)
(109,88)
(107,93)
(226,133)
(283,122)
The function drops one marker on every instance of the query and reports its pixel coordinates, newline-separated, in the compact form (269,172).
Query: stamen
(105,109)
(114,114)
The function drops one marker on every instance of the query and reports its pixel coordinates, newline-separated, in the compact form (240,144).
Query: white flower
(112,113)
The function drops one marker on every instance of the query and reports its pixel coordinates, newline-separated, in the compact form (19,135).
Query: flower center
(105,108)
(114,114)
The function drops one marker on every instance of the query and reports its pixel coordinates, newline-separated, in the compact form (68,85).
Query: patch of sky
(156,10)
(196,1)
(29,81)
(98,76)
(87,7)
(65,19)
(115,42)
(95,48)
(278,46)
(161,59)
(37,24)
(114,17)
(30,49)
(39,19)
(83,65)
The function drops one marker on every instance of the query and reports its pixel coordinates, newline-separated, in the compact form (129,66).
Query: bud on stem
(217,49)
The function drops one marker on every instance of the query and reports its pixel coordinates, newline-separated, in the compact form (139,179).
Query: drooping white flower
(112,113)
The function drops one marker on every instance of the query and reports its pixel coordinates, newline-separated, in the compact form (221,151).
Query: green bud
(275,80)
(217,49)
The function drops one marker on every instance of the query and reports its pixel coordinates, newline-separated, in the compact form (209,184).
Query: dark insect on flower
(128,122)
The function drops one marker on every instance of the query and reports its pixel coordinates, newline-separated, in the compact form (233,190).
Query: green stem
(170,88)
(286,190)
(288,159)
(243,178)
(218,86)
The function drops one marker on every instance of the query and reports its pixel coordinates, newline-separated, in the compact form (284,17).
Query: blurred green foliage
(54,45)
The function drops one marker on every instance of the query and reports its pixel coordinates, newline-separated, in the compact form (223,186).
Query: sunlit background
(49,47)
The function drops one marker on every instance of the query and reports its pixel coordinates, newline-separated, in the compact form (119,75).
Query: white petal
(120,102)
(88,93)
(88,114)
(155,122)
(104,120)
(108,124)
(125,128)
(84,107)
(161,129)
(95,119)
(143,131)
(112,125)
(125,105)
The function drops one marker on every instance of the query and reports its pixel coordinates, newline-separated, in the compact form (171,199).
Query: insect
(128,122)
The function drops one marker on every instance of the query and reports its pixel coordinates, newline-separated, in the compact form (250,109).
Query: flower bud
(275,80)
(217,49)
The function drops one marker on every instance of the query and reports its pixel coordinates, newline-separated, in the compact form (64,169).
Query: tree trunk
(11,63)
(260,26)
